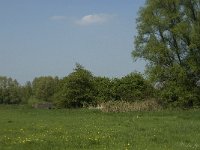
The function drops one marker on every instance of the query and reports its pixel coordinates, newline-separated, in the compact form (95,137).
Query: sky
(48,37)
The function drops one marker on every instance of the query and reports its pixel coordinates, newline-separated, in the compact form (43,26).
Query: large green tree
(168,40)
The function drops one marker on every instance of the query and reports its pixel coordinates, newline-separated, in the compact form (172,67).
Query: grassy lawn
(24,128)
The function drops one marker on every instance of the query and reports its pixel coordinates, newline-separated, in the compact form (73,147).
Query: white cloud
(93,19)
(58,18)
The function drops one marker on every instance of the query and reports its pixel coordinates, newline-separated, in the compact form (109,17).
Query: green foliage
(103,89)
(132,87)
(178,96)
(26,92)
(44,87)
(9,91)
(32,101)
(168,39)
(78,88)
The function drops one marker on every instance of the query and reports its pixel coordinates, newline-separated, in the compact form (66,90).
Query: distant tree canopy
(168,39)
(78,89)
(44,87)
(26,92)
(9,91)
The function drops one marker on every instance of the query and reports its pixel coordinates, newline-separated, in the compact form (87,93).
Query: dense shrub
(78,89)
(103,89)
(178,95)
(132,87)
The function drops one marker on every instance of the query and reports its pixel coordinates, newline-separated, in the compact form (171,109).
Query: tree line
(79,89)
(82,89)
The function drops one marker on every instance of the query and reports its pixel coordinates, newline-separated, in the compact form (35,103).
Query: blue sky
(47,37)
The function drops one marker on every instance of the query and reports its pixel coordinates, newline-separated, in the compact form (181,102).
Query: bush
(132,87)
(103,89)
(78,89)
(178,95)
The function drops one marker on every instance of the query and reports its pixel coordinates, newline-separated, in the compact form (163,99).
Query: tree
(44,88)
(168,39)
(9,91)
(77,89)
(26,92)
(132,87)
(103,89)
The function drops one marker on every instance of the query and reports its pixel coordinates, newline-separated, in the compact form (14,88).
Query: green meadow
(23,128)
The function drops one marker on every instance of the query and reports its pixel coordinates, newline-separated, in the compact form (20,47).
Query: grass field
(30,129)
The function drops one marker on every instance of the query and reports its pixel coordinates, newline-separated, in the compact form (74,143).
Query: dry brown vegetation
(123,106)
